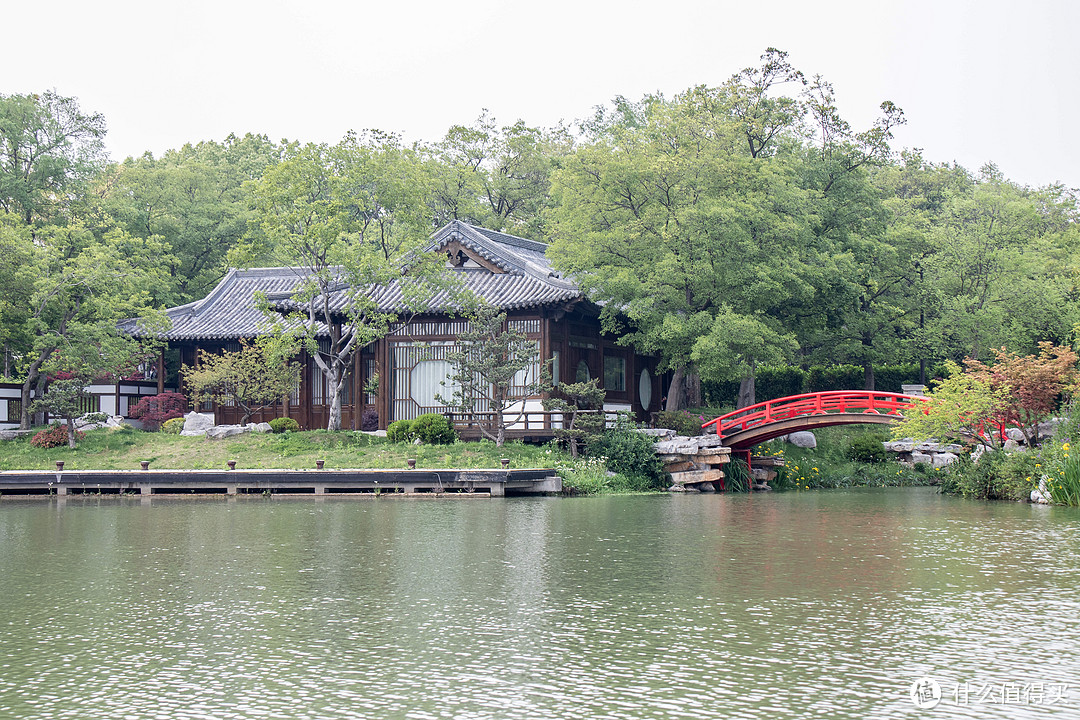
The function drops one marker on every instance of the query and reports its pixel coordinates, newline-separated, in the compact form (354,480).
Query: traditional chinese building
(509,272)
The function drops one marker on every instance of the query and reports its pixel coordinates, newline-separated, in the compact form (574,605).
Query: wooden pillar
(386,384)
(306,389)
(161,372)
(356,399)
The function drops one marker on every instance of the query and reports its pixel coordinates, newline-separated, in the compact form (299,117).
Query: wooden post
(356,399)
(161,372)
(386,377)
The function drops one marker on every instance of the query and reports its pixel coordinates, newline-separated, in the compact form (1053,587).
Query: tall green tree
(194,200)
(495,177)
(681,211)
(80,288)
(350,218)
(48,145)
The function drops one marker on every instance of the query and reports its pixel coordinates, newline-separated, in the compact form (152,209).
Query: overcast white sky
(986,80)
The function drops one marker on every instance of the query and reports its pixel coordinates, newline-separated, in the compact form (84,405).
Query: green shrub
(631,454)
(433,429)
(173,426)
(996,476)
(284,424)
(868,448)
(680,421)
(400,431)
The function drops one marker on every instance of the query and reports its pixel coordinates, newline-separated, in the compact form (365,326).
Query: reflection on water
(786,606)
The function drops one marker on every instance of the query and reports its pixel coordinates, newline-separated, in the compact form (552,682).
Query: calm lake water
(823,604)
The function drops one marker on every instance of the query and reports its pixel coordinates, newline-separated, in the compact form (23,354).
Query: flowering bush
(54,436)
(1060,470)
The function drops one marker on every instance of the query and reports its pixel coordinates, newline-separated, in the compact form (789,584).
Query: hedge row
(778,382)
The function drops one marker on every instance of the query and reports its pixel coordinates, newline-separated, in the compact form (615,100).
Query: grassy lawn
(124,448)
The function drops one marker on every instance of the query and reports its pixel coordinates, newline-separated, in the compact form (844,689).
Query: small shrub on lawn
(173,426)
(54,436)
(433,429)
(868,448)
(284,424)
(400,431)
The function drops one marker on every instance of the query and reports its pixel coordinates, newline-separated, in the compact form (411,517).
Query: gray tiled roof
(527,280)
(229,311)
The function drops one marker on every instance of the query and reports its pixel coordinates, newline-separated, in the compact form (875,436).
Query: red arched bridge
(759,423)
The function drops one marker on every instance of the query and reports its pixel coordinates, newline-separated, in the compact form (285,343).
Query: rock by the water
(196,424)
(918,457)
(1040,494)
(943,459)
(803,439)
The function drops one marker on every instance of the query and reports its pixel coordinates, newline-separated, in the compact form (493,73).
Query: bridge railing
(820,403)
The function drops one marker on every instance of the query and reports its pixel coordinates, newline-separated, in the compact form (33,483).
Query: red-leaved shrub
(54,436)
(156,409)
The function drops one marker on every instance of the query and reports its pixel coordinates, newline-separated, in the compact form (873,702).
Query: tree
(668,218)
(193,200)
(960,406)
(350,218)
(1029,386)
(47,145)
(984,400)
(736,345)
(65,398)
(581,405)
(253,378)
(495,177)
(494,366)
(78,289)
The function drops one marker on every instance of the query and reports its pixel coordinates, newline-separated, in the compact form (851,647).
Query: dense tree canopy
(722,229)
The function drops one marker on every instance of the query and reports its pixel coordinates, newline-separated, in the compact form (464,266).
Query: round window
(644,388)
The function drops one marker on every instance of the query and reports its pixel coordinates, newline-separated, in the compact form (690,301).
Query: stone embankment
(694,463)
(936,455)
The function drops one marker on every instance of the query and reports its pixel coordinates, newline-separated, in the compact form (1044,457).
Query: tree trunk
(676,390)
(922,371)
(693,388)
(39,392)
(333,388)
(24,413)
(747,389)
(868,376)
(71,431)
